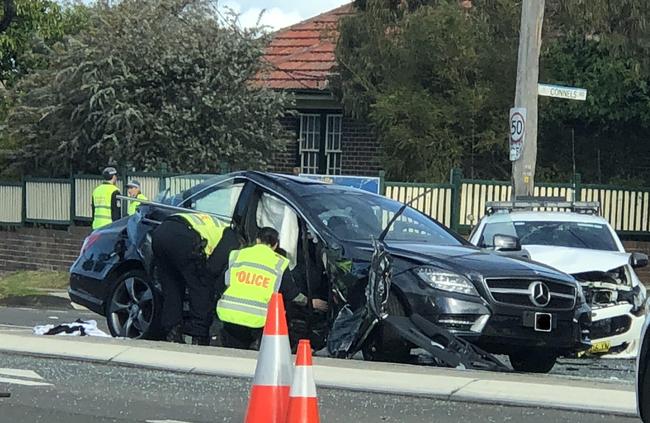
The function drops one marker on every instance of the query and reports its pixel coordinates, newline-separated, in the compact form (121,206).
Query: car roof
(545,216)
(295,184)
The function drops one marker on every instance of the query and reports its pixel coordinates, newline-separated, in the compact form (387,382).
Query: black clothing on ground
(181,264)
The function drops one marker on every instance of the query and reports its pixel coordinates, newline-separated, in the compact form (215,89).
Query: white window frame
(333,144)
(309,154)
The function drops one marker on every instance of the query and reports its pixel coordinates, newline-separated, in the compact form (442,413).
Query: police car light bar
(542,204)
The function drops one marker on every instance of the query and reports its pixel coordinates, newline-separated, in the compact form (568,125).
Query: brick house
(326,141)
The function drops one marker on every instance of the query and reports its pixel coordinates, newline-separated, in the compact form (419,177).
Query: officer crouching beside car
(253,275)
(190,250)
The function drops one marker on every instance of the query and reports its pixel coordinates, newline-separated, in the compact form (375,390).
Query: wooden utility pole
(530,43)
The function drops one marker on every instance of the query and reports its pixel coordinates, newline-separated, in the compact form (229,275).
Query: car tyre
(133,307)
(644,389)
(532,361)
(385,344)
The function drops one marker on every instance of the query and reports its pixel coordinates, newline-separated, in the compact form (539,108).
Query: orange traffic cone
(270,393)
(303,404)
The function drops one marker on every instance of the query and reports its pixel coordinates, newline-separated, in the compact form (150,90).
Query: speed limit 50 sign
(517,132)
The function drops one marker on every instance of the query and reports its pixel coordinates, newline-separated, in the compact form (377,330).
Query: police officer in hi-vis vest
(253,275)
(134,190)
(105,205)
(190,250)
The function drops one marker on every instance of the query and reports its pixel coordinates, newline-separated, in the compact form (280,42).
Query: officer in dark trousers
(187,247)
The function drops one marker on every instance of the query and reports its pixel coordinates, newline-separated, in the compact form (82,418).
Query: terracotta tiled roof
(301,56)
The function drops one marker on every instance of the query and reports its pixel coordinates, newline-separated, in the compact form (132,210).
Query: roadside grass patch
(24,283)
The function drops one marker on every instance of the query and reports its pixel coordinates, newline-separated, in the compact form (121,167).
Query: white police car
(585,246)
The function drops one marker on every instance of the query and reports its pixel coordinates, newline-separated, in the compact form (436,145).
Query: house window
(333,150)
(320,143)
(309,143)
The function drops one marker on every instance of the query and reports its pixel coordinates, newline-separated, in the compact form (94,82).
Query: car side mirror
(506,243)
(638,260)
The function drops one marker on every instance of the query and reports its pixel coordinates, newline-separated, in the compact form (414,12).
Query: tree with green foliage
(434,80)
(24,24)
(437,81)
(44,21)
(602,46)
(8,14)
(148,84)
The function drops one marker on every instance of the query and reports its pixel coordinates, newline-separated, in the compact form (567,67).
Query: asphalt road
(65,391)
(25,318)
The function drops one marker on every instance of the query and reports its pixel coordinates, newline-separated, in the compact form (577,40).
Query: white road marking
(53,318)
(14,326)
(29,374)
(22,382)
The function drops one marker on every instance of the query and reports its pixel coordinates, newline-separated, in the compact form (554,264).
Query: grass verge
(31,282)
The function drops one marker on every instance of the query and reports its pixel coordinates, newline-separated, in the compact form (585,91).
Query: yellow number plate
(600,347)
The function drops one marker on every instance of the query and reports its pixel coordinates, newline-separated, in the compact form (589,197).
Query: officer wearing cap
(134,191)
(105,205)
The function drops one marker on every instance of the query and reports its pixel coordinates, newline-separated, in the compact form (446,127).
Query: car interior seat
(340,225)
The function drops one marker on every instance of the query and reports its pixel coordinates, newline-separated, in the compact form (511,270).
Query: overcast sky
(280,13)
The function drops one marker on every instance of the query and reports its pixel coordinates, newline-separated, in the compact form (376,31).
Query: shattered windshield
(593,236)
(356,216)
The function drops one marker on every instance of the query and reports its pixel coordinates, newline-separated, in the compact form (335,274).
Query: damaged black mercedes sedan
(502,304)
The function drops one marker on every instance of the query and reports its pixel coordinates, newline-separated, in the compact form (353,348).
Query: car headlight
(446,281)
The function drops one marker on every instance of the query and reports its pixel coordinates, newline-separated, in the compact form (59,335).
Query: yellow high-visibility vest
(208,229)
(102,196)
(253,275)
(133,205)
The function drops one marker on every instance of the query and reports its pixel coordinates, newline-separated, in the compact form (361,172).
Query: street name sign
(558,91)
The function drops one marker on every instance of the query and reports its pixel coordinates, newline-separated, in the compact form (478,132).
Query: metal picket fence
(627,210)
(66,201)
(459,204)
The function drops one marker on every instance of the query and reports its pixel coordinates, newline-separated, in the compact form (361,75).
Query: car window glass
(220,200)
(275,213)
(497,228)
(360,216)
(593,236)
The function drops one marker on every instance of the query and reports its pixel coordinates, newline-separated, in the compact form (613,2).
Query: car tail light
(89,241)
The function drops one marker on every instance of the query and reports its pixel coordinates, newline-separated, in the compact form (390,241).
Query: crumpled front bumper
(502,328)
(617,326)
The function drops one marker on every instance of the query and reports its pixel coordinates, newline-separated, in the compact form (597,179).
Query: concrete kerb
(403,380)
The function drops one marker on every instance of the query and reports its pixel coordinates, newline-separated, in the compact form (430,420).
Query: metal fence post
(73,200)
(382,182)
(456,182)
(24,211)
(577,186)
